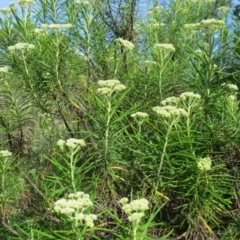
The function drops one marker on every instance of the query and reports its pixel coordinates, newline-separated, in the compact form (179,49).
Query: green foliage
(102,98)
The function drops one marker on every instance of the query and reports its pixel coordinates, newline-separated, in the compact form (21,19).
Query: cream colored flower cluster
(5,153)
(107,87)
(82,2)
(231,87)
(72,143)
(204,164)
(26,3)
(4,69)
(187,95)
(139,115)
(170,101)
(169,111)
(5,10)
(74,208)
(125,43)
(21,47)
(165,46)
(212,24)
(135,209)
(56,26)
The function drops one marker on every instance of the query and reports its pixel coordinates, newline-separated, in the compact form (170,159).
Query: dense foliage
(119,122)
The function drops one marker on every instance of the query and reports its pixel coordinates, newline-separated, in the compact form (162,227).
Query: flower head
(74,208)
(73,143)
(139,115)
(164,47)
(169,111)
(26,3)
(4,69)
(170,100)
(21,47)
(5,10)
(126,44)
(56,26)
(187,95)
(5,153)
(109,86)
(204,164)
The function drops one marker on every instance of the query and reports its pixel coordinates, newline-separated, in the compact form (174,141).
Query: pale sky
(5,3)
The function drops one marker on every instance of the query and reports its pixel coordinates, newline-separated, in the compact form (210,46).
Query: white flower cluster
(204,164)
(187,95)
(169,111)
(56,26)
(232,98)
(82,2)
(139,115)
(107,87)
(170,101)
(212,24)
(165,46)
(5,10)
(230,86)
(26,3)
(200,1)
(5,153)
(72,143)
(38,31)
(21,47)
(126,44)
(4,69)
(135,209)
(75,206)
(192,26)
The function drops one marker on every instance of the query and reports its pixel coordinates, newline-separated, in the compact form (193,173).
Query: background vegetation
(167,131)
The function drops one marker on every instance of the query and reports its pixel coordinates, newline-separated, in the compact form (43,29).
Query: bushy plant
(120,122)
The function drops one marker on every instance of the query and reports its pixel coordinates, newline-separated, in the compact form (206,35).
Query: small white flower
(232,87)
(127,44)
(4,69)
(170,100)
(204,164)
(21,46)
(61,143)
(5,10)
(139,115)
(73,143)
(56,26)
(169,111)
(119,87)
(26,3)
(67,211)
(136,217)
(5,153)
(165,46)
(186,95)
(123,201)
(38,31)
(80,216)
(104,91)
(61,202)
(232,98)
(108,83)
